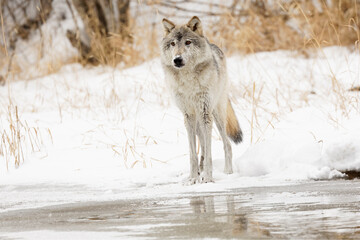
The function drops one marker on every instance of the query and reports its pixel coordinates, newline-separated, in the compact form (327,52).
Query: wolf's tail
(233,129)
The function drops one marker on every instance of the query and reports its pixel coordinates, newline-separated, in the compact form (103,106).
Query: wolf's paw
(206,179)
(191,181)
(228,171)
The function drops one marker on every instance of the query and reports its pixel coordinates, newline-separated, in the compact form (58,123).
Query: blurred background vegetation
(39,36)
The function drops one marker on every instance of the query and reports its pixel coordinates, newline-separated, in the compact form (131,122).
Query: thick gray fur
(200,89)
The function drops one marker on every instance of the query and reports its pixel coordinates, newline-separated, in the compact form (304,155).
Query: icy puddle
(311,210)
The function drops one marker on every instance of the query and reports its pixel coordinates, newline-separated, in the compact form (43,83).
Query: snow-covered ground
(103,134)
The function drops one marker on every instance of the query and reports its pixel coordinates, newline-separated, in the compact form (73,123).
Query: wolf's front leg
(190,124)
(206,122)
(201,140)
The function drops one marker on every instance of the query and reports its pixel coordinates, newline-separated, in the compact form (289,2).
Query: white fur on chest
(191,89)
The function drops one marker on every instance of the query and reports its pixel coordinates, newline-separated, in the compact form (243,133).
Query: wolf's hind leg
(190,124)
(221,125)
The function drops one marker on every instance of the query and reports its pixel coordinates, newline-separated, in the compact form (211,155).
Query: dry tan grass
(289,25)
(18,139)
(141,47)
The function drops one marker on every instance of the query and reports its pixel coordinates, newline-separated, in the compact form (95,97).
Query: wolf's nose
(178,62)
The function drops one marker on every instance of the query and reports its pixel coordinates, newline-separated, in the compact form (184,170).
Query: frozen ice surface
(307,210)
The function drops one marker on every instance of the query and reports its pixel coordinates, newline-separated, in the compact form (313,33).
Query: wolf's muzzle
(178,62)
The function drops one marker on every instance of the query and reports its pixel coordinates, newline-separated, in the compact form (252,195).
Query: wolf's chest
(190,85)
(190,92)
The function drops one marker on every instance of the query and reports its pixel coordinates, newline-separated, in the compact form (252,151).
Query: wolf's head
(184,45)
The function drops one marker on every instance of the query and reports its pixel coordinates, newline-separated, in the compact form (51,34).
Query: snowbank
(305,146)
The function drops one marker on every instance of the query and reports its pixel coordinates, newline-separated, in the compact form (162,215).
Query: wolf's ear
(168,26)
(195,25)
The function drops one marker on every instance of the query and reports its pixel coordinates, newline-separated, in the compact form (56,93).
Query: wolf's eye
(187,42)
(172,43)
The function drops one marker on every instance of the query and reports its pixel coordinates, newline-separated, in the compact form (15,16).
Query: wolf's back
(233,129)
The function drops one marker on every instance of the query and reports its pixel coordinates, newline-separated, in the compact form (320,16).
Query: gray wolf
(195,72)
